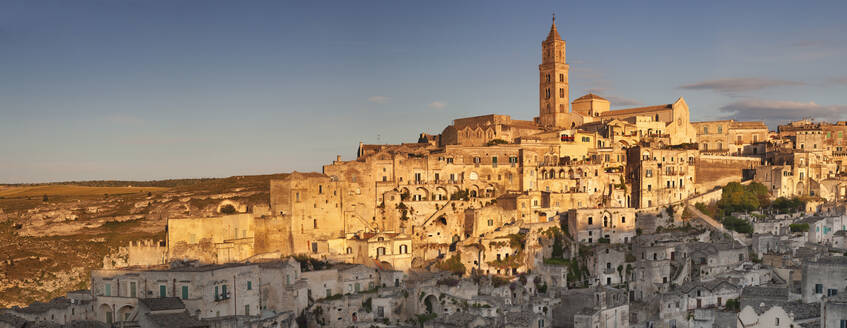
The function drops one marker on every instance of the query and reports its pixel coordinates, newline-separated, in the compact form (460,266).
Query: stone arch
(491,190)
(239,208)
(441,193)
(421,194)
(474,191)
(432,304)
(125,313)
(107,315)
(570,173)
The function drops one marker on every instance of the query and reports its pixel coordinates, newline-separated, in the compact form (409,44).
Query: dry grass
(72,190)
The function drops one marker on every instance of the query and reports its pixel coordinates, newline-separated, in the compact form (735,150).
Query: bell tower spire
(553,81)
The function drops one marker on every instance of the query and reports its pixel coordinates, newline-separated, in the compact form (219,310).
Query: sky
(143,90)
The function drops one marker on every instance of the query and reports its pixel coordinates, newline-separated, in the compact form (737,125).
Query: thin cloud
(738,84)
(437,104)
(779,112)
(623,102)
(379,99)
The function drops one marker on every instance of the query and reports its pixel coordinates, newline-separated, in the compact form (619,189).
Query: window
(247,309)
(705,130)
(561,77)
(132,287)
(776,321)
(561,92)
(185,292)
(108,289)
(831,292)
(590,220)
(249,285)
(623,219)
(217,293)
(843,322)
(818,289)
(163,291)
(297,196)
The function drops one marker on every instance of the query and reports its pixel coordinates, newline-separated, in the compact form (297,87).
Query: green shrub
(799,227)
(737,225)
(453,264)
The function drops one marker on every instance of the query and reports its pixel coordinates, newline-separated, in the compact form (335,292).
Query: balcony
(222,297)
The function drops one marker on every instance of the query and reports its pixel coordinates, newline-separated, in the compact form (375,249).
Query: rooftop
(636,110)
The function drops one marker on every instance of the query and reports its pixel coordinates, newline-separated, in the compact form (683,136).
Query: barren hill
(52,235)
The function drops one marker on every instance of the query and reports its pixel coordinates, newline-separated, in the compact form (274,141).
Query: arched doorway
(108,316)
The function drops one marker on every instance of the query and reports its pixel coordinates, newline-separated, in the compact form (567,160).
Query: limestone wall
(713,170)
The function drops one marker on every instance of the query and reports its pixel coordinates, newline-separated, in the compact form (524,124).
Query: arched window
(349,250)
(605,221)
(404,249)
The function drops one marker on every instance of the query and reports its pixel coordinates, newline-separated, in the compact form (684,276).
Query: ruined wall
(137,253)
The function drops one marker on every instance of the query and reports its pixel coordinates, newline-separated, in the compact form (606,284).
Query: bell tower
(553,81)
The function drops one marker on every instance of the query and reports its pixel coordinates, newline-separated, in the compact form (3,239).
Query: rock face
(48,248)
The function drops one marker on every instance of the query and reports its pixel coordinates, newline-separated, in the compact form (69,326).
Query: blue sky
(118,89)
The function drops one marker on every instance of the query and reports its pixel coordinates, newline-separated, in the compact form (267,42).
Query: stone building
(614,225)
(660,176)
(834,312)
(729,137)
(827,276)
